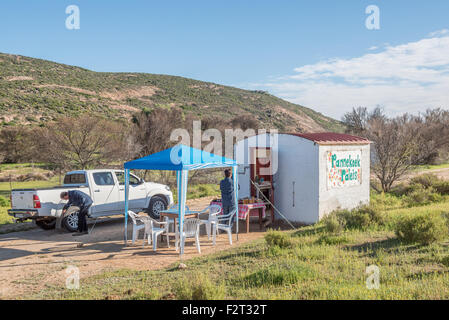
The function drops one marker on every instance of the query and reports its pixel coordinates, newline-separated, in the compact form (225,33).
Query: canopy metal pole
(182,206)
(236,200)
(178,191)
(126,204)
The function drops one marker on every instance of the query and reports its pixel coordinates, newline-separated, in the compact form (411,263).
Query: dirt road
(29,260)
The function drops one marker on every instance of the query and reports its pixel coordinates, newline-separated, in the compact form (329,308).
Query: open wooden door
(261,169)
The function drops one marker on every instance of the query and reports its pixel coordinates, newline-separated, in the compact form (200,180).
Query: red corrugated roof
(332,138)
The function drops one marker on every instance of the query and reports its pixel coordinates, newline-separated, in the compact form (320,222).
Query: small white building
(308,175)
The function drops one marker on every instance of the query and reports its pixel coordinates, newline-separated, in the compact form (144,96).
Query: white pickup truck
(105,187)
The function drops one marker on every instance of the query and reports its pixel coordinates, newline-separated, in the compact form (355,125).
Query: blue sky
(316,53)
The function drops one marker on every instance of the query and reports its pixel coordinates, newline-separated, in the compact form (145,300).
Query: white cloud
(404,78)
(439,33)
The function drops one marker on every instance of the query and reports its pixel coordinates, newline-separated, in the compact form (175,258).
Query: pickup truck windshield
(75,178)
(121,178)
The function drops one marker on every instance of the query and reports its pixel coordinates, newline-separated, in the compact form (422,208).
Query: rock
(182,266)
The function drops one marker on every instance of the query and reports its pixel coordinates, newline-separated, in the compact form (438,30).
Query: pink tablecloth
(245,208)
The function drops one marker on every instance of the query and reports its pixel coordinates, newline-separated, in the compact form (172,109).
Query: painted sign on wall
(344,168)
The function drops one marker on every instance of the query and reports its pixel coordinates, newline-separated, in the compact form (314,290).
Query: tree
(83,142)
(15,144)
(356,120)
(397,143)
(433,136)
(151,132)
(152,129)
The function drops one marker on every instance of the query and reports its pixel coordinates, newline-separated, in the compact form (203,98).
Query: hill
(34,91)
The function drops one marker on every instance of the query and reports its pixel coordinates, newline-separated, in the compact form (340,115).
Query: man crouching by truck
(81,200)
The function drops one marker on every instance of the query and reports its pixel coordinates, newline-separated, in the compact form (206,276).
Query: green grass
(5,187)
(431,167)
(4,217)
(10,166)
(309,270)
(200,191)
(314,265)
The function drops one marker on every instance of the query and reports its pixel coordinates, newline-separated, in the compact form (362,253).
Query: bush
(4,202)
(362,218)
(401,189)
(332,239)
(421,196)
(333,223)
(278,239)
(197,288)
(445,261)
(278,274)
(426,180)
(384,200)
(422,229)
(442,187)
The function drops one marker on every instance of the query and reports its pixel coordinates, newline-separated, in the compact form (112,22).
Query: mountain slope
(34,90)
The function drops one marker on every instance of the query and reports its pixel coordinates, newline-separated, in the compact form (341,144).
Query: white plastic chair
(135,218)
(152,232)
(191,229)
(224,222)
(214,210)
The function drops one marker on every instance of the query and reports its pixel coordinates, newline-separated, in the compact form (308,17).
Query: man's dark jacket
(78,199)
(227,192)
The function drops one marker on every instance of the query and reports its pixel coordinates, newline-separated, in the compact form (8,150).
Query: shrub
(442,187)
(421,196)
(333,223)
(426,180)
(401,189)
(422,229)
(445,261)
(385,200)
(332,239)
(196,288)
(278,274)
(4,202)
(362,218)
(278,239)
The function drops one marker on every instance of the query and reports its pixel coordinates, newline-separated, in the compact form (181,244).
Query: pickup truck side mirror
(141,181)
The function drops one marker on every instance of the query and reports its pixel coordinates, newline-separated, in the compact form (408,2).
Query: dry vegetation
(402,142)
(34,91)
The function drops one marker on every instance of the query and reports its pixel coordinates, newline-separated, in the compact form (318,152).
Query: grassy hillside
(34,90)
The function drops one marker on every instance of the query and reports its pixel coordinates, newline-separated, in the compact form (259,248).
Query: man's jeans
(82,223)
(227,210)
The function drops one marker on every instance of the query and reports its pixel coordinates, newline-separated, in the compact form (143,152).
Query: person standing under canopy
(227,193)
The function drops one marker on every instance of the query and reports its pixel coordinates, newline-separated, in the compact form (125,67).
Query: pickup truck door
(105,192)
(137,191)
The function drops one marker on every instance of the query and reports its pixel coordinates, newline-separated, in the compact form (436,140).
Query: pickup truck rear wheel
(70,221)
(157,204)
(48,224)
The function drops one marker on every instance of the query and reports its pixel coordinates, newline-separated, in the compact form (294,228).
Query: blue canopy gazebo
(181,159)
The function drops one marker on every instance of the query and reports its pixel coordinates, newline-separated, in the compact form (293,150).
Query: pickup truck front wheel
(70,221)
(157,204)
